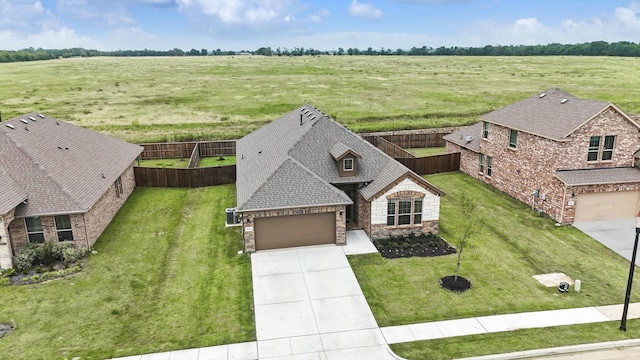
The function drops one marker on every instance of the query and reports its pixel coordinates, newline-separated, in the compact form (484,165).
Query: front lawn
(512,245)
(166,276)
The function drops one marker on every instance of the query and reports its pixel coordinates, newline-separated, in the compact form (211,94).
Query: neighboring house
(570,158)
(59,182)
(304,179)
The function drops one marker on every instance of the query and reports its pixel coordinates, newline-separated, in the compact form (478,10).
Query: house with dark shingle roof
(304,179)
(59,182)
(573,159)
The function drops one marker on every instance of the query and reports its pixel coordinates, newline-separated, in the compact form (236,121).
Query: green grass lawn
(215,161)
(511,246)
(166,277)
(169,163)
(421,152)
(511,341)
(151,99)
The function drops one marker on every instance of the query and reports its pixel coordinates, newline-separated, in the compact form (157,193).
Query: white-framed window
(594,148)
(35,232)
(489,165)
(481,163)
(63,228)
(607,148)
(513,138)
(404,212)
(485,130)
(118,186)
(347,164)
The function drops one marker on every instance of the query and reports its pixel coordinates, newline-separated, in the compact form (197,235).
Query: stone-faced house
(570,158)
(304,179)
(59,182)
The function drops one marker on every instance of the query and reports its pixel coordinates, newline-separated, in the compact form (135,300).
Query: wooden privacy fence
(387,147)
(183,150)
(193,178)
(432,164)
(408,140)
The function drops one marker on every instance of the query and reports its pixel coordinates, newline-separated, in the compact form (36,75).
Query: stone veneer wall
(248,222)
(518,172)
(430,212)
(364,214)
(6,252)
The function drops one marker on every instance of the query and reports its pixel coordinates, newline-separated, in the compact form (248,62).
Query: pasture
(150,99)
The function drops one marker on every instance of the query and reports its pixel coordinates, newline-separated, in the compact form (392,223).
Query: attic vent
(564,101)
(32,118)
(24,121)
(42,116)
(304,108)
(542,95)
(10,126)
(313,117)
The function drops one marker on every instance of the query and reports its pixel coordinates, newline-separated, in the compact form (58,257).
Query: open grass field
(182,98)
(166,276)
(511,246)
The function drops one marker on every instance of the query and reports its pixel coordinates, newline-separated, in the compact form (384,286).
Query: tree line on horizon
(594,48)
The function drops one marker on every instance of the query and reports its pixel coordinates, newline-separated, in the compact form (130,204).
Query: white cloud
(364,11)
(46,39)
(320,16)
(241,12)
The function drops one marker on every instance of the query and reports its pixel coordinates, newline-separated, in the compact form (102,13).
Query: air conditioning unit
(233,218)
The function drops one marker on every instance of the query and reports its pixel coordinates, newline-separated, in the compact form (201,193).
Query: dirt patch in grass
(422,245)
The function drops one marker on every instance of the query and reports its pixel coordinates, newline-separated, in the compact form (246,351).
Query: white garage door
(606,206)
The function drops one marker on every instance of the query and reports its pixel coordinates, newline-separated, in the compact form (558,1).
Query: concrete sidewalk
(508,322)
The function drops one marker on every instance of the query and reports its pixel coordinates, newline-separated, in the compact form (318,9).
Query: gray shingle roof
(460,137)
(339,149)
(287,163)
(62,168)
(599,176)
(547,116)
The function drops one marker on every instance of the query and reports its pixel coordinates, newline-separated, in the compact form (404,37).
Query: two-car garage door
(606,206)
(295,230)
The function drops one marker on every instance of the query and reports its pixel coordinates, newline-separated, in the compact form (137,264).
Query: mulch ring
(450,283)
(413,245)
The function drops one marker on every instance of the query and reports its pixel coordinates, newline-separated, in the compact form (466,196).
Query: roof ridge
(306,169)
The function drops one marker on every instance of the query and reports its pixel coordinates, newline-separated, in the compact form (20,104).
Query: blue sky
(324,25)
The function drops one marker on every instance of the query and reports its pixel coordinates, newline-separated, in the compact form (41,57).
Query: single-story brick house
(304,179)
(573,159)
(59,182)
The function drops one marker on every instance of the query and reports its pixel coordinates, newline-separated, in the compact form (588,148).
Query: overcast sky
(319,24)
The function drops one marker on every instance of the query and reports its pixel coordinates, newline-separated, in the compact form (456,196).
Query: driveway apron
(309,305)
(617,235)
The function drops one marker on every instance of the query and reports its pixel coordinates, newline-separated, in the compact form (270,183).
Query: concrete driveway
(308,305)
(617,235)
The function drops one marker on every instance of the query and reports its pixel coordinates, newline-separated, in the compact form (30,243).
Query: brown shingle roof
(553,114)
(462,136)
(599,176)
(62,168)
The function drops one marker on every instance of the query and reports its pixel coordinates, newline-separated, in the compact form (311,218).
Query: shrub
(71,255)
(7,273)
(23,260)
(5,281)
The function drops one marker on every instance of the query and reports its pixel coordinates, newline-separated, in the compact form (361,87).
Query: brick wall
(518,172)
(248,220)
(103,211)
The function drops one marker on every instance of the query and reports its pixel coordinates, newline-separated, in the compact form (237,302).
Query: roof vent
(564,101)
(10,126)
(24,121)
(543,95)
(468,138)
(32,118)
(42,116)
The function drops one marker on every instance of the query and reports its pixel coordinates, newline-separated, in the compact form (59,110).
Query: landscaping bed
(411,245)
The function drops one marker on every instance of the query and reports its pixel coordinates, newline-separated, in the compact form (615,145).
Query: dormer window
(347,164)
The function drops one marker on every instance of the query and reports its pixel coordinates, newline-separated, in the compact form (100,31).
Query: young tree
(468,207)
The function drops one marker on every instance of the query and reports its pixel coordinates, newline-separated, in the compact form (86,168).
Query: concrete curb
(558,350)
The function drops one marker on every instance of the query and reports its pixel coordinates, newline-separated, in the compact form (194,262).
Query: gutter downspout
(86,234)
